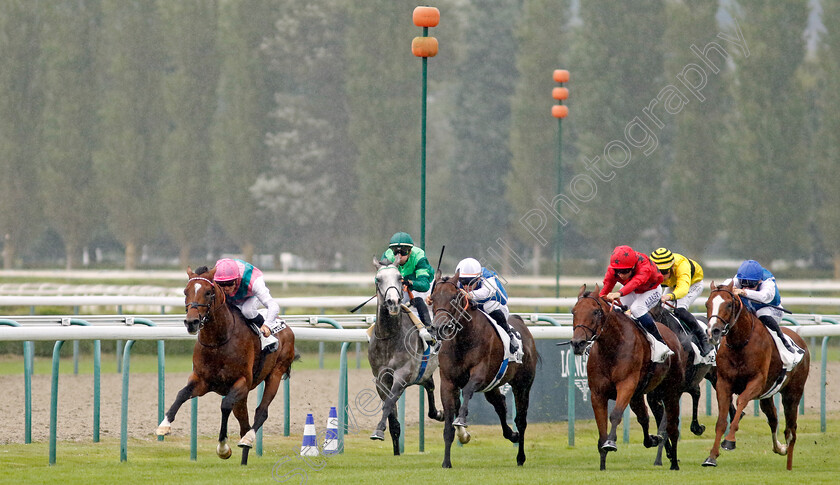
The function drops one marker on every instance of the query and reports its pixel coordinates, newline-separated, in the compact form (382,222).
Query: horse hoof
(781,450)
(653,440)
(675,465)
(438,416)
(727,445)
(463,435)
(697,429)
(514,437)
(378,435)
(223,450)
(609,445)
(163,430)
(710,462)
(247,441)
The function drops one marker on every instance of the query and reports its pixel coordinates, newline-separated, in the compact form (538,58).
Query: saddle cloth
(517,357)
(658,350)
(789,359)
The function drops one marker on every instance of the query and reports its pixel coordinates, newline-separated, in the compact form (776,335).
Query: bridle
(727,324)
(599,314)
(204,318)
(384,294)
(451,326)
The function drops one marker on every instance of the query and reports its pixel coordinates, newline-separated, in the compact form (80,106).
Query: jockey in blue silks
(486,291)
(759,285)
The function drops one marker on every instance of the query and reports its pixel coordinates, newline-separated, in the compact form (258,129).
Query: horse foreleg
(497,400)
(522,397)
(272,385)
(696,427)
(599,408)
(624,392)
(637,405)
(389,395)
(724,399)
(434,412)
(194,388)
(450,402)
(671,423)
(658,412)
(750,392)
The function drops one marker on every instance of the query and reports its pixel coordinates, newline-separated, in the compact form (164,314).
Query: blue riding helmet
(750,273)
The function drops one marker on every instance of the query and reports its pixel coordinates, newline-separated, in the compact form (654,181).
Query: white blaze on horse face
(716,303)
(197,288)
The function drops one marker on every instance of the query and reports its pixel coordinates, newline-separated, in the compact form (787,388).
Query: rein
(452,322)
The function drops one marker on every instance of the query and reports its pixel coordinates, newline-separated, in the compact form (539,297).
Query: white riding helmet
(469,268)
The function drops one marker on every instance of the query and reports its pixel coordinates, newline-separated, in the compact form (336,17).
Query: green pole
(423,151)
(54,399)
(27,383)
(124,414)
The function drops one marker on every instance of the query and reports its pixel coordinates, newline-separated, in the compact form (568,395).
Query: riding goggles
(749,283)
(401,250)
(622,270)
(226,284)
(468,280)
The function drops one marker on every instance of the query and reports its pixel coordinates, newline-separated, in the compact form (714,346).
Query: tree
(21,106)
(481,123)
(307,189)
(134,123)
(190,84)
(828,147)
(72,204)
(619,70)
(690,205)
(533,137)
(764,185)
(383,90)
(245,98)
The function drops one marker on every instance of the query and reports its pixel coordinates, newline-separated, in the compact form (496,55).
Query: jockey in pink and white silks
(244,287)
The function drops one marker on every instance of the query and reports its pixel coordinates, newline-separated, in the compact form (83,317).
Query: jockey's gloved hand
(408,284)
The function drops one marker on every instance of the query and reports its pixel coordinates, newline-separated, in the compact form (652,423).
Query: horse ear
(376,263)
(582,290)
(597,289)
(190,272)
(731,284)
(211,274)
(456,275)
(438,277)
(712,287)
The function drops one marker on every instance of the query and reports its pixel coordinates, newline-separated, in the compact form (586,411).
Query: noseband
(599,313)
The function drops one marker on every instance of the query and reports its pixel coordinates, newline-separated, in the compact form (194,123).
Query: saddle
(503,335)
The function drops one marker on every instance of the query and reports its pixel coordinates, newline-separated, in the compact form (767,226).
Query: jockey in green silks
(415,269)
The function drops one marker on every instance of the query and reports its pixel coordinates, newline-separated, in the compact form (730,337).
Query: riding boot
(697,330)
(499,316)
(423,313)
(773,326)
(650,326)
(267,344)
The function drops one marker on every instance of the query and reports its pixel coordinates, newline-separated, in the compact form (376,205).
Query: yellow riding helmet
(662,258)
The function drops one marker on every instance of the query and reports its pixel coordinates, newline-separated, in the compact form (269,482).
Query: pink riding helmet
(226,270)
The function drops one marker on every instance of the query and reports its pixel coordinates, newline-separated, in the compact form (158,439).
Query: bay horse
(619,368)
(227,360)
(748,364)
(397,356)
(472,360)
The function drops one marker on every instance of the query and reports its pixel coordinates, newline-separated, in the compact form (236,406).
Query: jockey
(684,283)
(244,287)
(640,289)
(759,285)
(486,291)
(415,269)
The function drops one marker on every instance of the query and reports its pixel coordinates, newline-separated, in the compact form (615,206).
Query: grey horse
(396,353)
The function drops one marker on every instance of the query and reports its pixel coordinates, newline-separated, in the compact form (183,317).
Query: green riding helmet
(401,239)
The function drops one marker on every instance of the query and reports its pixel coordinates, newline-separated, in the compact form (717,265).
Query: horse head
(588,318)
(388,286)
(200,293)
(449,305)
(723,309)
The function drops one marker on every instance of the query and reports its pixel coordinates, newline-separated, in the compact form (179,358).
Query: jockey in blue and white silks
(759,285)
(484,288)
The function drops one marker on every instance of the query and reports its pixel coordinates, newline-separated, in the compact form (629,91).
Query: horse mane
(201,270)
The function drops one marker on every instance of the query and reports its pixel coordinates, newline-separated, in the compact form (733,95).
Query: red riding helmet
(623,257)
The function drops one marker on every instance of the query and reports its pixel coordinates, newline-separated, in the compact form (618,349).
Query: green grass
(488,458)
